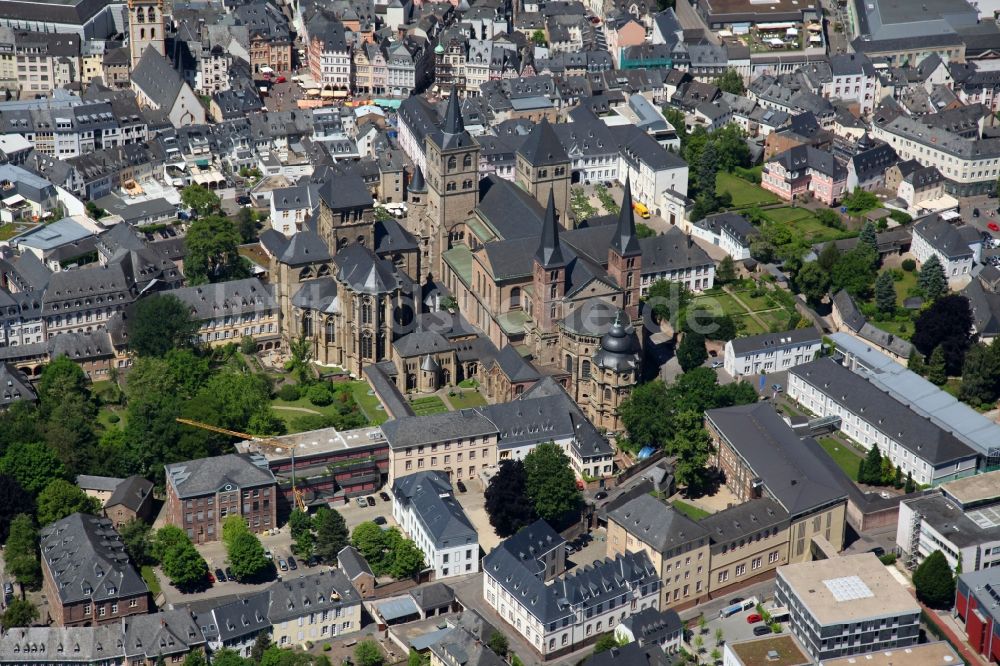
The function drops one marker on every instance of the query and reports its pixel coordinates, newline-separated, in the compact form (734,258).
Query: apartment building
(729,231)
(230,311)
(762,456)
(315,607)
(847,605)
(202,493)
(45,61)
(86,574)
(675,257)
(872,417)
(805,170)
(678,547)
(956,247)
(749,541)
(570,612)
(435,442)
(771,352)
(426,510)
(959,519)
(649,168)
(970,166)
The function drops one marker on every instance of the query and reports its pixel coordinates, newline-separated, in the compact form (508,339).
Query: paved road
(836,14)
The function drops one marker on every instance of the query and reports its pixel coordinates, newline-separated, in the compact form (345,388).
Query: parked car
(385,496)
(777,388)
(211,578)
(244,201)
(993,226)
(735,600)
(601,495)
(220,575)
(717,364)
(379,520)
(975,212)
(361,502)
(229,573)
(268,554)
(292,564)
(281,79)
(878,550)
(283,565)
(761,630)
(753,618)
(461,486)
(370,500)
(570,549)
(312,561)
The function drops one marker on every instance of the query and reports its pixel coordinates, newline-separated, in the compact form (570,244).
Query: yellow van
(641,209)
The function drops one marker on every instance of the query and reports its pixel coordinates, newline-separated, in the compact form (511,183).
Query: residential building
(357,570)
(132,499)
(882,27)
(762,456)
(630,653)
(291,207)
(99,487)
(919,447)
(805,170)
(956,247)
(749,542)
(771,352)
(236,623)
(867,168)
(538,541)
(675,257)
(563,615)
(45,61)
(729,231)
(849,605)
(958,519)
(14,386)
(167,636)
(850,77)
(677,546)
(86,574)
(202,493)
(914,184)
(313,608)
(650,627)
(228,312)
(427,511)
(976,606)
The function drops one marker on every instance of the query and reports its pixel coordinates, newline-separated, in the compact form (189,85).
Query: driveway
(473,502)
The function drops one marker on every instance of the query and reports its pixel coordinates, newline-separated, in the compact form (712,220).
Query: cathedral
(486,279)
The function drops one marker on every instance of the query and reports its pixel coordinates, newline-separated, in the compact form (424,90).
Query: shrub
(888,558)
(319,395)
(909,265)
(327,647)
(290,392)
(114,418)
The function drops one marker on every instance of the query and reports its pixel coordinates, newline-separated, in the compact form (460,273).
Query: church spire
(549,253)
(453,116)
(625,242)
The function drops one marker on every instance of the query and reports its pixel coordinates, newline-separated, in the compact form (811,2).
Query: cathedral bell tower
(145,28)
(625,256)
(549,273)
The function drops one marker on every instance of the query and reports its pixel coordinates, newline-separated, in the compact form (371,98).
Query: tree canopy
(947,323)
(507,502)
(159,323)
(60,499)
(931,278)
(550,482)
(212,251)
(331,534)
(934,581)
(20,554)
(200,199)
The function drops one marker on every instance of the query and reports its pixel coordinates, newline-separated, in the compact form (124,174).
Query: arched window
(515,297)
(307,325)
(607,395)
(152,15)
(366,311)
(142,33)
(467,161)
(366,344)
(152,33)
(140,15)
(331,330)
(585,369)
(452,163)
(450,187)
(569,363)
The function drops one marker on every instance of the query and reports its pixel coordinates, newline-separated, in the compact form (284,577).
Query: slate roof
(873,162)
(434,428)
(234,298)
(514,366)
(313,593)
(86,559)
(458,646)
(658,524)
(429,496)
(671,250)
(353,563)
(169,632)
(734,224)
(365,273)
(157,78)
(631,654)
(14,386)
(790,468)
(432,596)
(130,493)
(100,483)
(765,341)
(304,247)
(84,645)
(743,520)
(205,476)
(533,541)
(918,434)
(243,617)
(799,158)
(651,626)
(945,237)
(985,308)
(542,146)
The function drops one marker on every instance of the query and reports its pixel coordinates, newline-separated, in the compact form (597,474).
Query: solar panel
(849,588)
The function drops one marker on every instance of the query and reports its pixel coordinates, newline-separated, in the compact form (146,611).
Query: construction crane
(262,444)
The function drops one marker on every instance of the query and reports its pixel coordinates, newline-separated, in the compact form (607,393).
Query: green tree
(854,271)
(667,300)
(731,82)
(498,643)
(947,323)
(691,351)
(414,658)
(909,486)
(200,199)
(828,257)
(246,557)
(197,658)
(135,535)
(937,370)
(261,644)
(605,643)
(13,502)
(707,168)
(331,534)
(184,566)
(19,613)
(888,472)
(692,446)
(300,353)
(507,503)
(550,482)
(726,272)
(212,251)
(158,324)
(407,560)
(860,201)
(60,499)
(368,653)
(300,526)
(812,282)
(246,224)
(538,38)
(580,205)
(869,237)
(20,554)
(981,375)
(166,538)
(931,279)
(935,581)
(885,293)
(370,540)
(227,657)
(233,526)
(33,465)
(870,469)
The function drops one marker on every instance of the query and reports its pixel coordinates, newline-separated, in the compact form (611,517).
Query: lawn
(466,399)
(368,402)
(843,455)
(775,318)
(787,214)
(723,300)
(744,193)
(690,510)
(748,326)
(7,231)
(428,405)
(152,582)
(899,329)
(903,286)
(757,303)
(288,410)
(104,417)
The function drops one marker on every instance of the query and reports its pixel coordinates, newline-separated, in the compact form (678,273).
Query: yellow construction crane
(262,444)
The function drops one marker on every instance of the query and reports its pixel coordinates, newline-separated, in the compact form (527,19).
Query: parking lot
(735,627)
